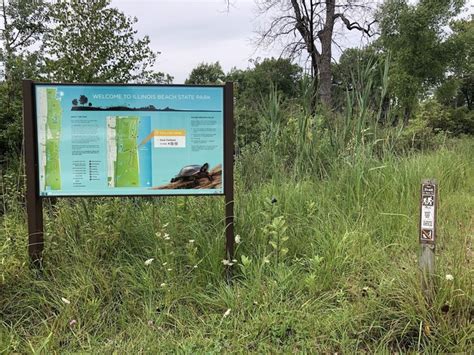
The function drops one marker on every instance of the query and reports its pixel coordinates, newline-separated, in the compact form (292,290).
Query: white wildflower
(226,314)
(449,277)
(169,269)
(237,239)
(72,322)
(227,262)
(163,284)
(166,236)
(65,300)
(149,261)
(165,263)
(191,241)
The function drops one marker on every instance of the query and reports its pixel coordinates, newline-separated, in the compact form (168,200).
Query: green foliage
(455,121)
(350,64)
(81,41)
(270,73)
(349,278)
(11,121)
(255,85)
(417,135)
(331,258)
(94,42)
(414,34)
(458,89)
(22,23)
(206,74)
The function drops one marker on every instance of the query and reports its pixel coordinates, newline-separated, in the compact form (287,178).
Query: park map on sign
(52,140)
(127,170)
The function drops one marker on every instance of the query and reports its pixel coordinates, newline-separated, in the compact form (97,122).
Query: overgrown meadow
(326,261)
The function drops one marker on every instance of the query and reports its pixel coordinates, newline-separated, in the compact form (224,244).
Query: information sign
(428,212)
(126,140)
(100,140)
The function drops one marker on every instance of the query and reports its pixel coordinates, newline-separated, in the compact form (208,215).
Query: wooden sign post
(51,109)
(427,233)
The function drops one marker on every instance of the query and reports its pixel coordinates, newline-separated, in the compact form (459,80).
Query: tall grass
(304,141)
(343,277)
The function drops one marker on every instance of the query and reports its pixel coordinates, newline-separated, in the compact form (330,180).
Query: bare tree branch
(309,28)
(355,25)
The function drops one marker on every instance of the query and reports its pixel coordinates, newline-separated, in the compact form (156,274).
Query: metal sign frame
(34,202)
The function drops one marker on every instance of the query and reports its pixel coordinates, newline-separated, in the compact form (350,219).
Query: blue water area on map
(144,151)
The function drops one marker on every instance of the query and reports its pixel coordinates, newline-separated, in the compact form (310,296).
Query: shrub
(455,121)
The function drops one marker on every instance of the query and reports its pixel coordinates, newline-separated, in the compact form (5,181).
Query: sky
(190,32)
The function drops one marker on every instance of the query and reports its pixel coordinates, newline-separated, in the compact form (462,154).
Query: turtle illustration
(192,173)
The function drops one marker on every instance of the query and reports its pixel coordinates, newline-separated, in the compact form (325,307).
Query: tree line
(423,49)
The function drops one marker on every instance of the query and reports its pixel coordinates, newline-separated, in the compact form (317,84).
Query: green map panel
(127,172)
(53,135)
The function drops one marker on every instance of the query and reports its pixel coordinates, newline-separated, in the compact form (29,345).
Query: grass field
(331,266)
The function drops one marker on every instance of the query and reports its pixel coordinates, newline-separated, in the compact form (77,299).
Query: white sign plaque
(428,212)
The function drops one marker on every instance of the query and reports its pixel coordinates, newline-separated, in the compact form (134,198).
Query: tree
(414,34)
(254,85)
(83,100)
(271,72)
(91,41)
(345,73)
(206,74)
(458,89)
(21,24)
(309,26)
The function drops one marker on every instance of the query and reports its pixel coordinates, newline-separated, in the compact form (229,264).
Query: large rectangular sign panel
(116,140)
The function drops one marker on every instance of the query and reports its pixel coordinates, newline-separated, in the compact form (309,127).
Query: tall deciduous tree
(22,23)
(92,41)
(308,26)
(458,89)
(415,35)
(206,73)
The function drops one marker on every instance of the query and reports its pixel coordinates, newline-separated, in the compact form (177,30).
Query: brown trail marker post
(427,234)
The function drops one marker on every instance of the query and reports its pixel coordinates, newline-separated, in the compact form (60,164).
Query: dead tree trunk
(310,25)
(325,36)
